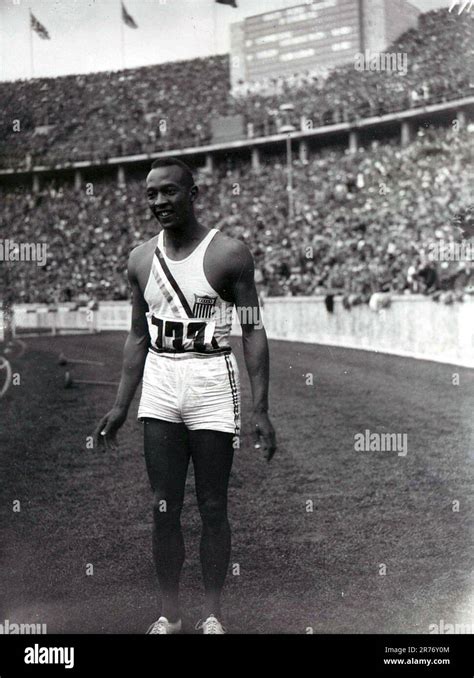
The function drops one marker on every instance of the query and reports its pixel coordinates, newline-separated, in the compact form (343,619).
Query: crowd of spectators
(102,115)
(51,121)
(364,223)
(439,67)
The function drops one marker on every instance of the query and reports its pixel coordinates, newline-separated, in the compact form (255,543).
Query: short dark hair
(170,162)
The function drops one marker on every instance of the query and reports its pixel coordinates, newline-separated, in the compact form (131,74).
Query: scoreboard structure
(318,34)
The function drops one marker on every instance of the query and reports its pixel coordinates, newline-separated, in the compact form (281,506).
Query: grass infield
(291,569)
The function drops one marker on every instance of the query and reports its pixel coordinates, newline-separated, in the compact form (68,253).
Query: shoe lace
(212,625)
(158,627)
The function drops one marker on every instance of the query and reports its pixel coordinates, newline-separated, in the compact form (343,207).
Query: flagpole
(214,15)
(122,38)
(32,69)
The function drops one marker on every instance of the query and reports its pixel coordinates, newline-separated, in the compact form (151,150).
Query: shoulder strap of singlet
(203,244)
(208,238)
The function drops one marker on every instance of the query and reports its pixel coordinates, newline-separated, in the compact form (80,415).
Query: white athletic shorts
(201,391)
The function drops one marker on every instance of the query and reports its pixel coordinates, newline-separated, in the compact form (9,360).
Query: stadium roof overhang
(420,114)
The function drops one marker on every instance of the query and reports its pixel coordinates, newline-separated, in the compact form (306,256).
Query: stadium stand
(364,223)
(99,115)
(155,108)
(440,67)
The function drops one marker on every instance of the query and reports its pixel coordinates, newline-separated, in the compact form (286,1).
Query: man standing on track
(185,283)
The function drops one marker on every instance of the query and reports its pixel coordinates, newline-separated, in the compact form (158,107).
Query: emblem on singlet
(203,306)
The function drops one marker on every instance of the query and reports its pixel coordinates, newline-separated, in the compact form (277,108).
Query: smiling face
(170,194)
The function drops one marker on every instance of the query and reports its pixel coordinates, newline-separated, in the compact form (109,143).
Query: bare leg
(167,457)
(212,453)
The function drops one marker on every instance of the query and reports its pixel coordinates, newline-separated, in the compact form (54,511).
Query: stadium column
(406,133)
(36,183)
(7,305)
(255,159)
(77,179)
(303,151)
(353,141)
(121,175)
(461,118)
(209,163)
(289,174)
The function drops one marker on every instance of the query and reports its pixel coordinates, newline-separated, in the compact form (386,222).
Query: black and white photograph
(237,328)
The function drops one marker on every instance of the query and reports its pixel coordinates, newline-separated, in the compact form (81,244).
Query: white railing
(413,326)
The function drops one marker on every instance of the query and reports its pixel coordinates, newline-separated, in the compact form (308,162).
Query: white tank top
(185,313)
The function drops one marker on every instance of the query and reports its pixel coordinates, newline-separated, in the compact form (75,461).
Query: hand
(265,434)
(105,435)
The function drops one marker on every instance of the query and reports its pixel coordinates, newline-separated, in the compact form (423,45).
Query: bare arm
(135,349)
(134,356)
(255,345)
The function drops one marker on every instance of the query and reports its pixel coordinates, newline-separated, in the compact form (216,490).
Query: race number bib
(181,334)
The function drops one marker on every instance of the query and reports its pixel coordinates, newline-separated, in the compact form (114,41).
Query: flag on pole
(462,5)
(232,3)
(38,27)
(127,19)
